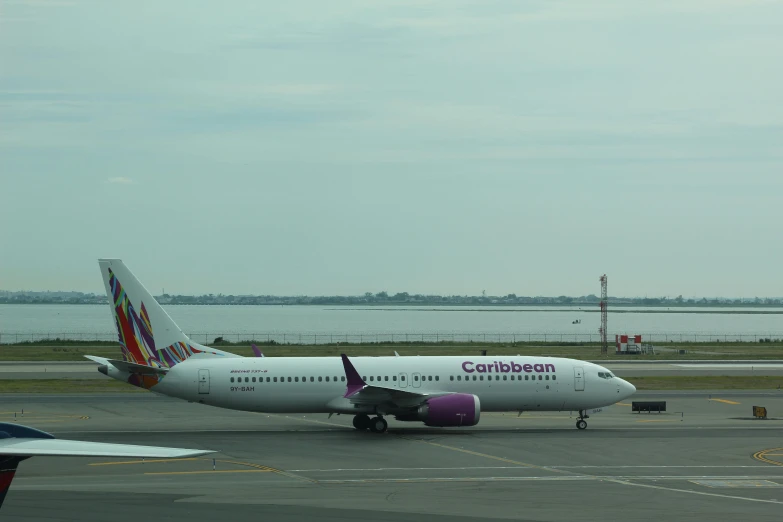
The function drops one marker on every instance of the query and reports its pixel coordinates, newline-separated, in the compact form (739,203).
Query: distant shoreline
(626,308)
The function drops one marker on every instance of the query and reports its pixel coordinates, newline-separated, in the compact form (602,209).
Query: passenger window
(475,378)
(379,378)
(504,377)
(275,379)
(540,377)
(372,378)
(304,379)
(364,378)
(527,377)
(296,379)
(320,379)
(386,378)
(267,379)
(289,379)
(253,379)
(327,379)
(394,378)
(451,378)
(232,379)
(547,377)
(402,377)
(459,377)
(497,377)
(415,377)
(481,378)
(437,378)
(554,377)
(342,378)
(312,379)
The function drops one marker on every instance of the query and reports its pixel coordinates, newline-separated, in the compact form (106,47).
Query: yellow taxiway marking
(148,461)
(761,456)
(622,404)
(724,401)
(205,472)
(258,467)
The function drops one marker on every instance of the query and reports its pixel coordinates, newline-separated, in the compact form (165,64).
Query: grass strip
(718,382)
(66,386)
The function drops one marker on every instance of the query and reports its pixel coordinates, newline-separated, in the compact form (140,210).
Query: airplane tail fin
(8,467)
(147,335)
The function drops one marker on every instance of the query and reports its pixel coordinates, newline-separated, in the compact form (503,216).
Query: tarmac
(88,369)
(705,458)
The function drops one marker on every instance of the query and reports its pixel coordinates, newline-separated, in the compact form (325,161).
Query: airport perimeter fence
(383,338)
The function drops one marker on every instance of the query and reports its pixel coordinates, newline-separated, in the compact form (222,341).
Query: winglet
(257,351)
(355,381)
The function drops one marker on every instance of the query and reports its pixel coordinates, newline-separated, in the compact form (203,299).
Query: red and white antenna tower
(602,330)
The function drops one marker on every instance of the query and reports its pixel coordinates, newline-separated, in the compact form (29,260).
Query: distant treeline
(384,298)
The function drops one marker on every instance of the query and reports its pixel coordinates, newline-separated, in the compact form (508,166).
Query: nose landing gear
(580,422)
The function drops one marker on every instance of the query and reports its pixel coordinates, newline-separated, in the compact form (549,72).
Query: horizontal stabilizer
(129,367)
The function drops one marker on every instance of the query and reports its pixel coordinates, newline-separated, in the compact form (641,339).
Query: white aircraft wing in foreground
(18,443)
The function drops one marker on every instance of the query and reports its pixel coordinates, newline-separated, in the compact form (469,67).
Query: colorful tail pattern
(147,336)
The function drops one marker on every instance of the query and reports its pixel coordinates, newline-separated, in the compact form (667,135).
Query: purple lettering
(505,368)
(516,368)
(465,367)
(496,366)
(481,368)
(528,368)
(538,368)
(550,367)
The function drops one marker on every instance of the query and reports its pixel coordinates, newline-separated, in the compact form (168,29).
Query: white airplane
(18,443)
(438,391)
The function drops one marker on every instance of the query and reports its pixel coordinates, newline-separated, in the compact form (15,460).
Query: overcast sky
(311,147)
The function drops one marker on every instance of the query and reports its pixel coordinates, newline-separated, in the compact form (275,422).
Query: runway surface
(88,369)
(705,459)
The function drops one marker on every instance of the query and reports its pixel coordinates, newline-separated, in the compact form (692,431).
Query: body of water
(353,324)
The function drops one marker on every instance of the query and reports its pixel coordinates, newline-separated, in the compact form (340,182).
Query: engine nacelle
(459,409)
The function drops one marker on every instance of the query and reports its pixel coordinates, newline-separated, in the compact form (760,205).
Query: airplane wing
(359,392)
(18,443)
(21,447)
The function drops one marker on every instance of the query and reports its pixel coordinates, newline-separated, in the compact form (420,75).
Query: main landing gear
(376,425)
(580,422)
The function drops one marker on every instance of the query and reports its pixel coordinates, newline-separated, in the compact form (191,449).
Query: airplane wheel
(361,422)
(581,424)
(378,425)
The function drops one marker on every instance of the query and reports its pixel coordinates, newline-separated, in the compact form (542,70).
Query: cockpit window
(605,375)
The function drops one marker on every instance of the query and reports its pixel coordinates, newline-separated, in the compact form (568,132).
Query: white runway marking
(339,470)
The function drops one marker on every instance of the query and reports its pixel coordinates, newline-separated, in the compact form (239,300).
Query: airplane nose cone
(628,388)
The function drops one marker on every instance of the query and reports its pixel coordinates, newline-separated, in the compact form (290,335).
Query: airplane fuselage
(317,384)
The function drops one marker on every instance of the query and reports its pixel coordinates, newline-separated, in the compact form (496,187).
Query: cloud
(120,181)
